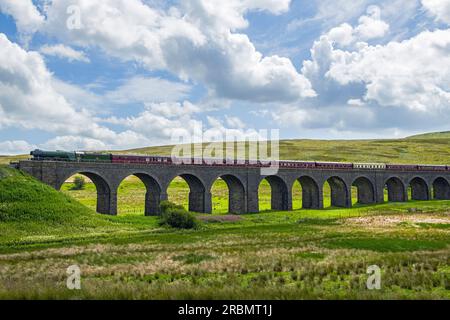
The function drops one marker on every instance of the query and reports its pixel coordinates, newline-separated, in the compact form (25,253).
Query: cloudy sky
(118,74)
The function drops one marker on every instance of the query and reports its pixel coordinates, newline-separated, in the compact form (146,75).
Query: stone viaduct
(243,184)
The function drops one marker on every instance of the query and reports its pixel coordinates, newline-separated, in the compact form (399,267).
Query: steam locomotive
(39,155)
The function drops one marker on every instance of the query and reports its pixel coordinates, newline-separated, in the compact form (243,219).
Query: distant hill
(8,159)
(430,148)
(433,135)
(410,150)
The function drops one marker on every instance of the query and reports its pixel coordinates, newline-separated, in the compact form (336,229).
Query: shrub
(169,206)
(78,183)
(176,216)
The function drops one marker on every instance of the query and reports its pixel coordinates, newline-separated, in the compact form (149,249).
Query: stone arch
(153,192)
(339,192)
(441,189)
(419,189)
(396,190)
(279,193)
(106,202)
(236,194)
(197,193)
(365,190)
(310,193)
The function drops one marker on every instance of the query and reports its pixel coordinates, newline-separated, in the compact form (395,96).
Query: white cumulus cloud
(370,26)
(26,15)
(65,52)
(198,40)
(30,98)
(414,73)
(439,8)
(27,96)
(400,86)
(15,147)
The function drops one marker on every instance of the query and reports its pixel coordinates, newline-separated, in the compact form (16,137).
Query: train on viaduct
(243,179)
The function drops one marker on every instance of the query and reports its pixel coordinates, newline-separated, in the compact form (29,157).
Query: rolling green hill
(8,159)
(24,199)
(32,212)
(430,148)
(433,135)
(433,150)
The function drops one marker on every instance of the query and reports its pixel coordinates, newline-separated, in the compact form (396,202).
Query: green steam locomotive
(71,156)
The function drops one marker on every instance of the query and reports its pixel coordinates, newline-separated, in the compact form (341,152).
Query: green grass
(272,258)
(311,255)
(387,244)
(31,212)
(23,199)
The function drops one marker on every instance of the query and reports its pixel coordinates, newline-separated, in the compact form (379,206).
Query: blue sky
(119,74)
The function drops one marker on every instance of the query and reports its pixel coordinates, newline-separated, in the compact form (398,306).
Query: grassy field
(427,149)
(5,160)
(303,254)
